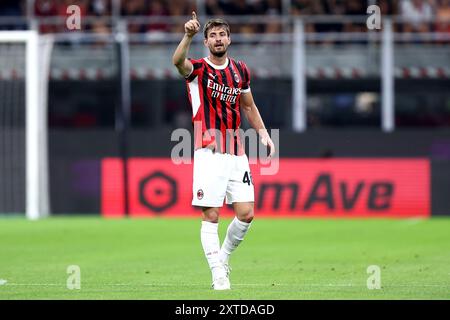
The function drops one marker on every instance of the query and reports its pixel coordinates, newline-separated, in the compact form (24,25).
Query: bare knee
(210,214)
(246,214)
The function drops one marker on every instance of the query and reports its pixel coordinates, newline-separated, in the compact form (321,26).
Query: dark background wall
(75,157)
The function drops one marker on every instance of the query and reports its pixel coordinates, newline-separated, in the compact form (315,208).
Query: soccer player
(218,87)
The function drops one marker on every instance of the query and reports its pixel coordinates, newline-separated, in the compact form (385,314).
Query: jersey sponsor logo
(223,92)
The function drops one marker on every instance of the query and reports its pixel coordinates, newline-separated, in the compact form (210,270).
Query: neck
(218,60)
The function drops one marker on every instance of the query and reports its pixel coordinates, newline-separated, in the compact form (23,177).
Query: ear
(205,42)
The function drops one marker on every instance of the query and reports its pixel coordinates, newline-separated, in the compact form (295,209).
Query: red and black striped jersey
(214,93)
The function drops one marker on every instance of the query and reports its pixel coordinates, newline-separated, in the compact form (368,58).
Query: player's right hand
(192,26)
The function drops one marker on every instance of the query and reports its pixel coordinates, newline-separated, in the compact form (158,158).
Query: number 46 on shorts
(247,178)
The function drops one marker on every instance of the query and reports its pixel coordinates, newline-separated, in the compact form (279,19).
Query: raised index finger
(194,15)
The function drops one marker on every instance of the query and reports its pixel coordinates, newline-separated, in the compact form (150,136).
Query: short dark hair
(216,23)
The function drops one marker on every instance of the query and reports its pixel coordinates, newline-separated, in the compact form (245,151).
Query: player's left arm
(254,118)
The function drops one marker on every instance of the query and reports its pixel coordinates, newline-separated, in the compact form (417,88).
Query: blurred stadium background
(364,115)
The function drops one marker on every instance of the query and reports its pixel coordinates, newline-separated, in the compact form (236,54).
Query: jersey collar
(215,66)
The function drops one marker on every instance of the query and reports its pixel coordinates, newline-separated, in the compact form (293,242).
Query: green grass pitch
(161,258)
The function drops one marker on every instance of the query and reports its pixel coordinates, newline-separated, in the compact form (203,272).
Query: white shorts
(217,175)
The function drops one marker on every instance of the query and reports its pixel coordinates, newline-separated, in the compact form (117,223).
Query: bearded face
(217,41)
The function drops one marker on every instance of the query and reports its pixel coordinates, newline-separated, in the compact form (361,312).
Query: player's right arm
(179,60)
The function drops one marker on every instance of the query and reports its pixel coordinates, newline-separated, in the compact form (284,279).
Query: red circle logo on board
(200,194)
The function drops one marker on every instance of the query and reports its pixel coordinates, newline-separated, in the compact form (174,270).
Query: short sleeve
(246,77)
(196,68)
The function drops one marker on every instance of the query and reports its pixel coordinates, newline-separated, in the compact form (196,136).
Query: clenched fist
(192,26)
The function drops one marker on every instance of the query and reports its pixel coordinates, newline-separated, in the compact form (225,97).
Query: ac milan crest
(236,78)
(200,194)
